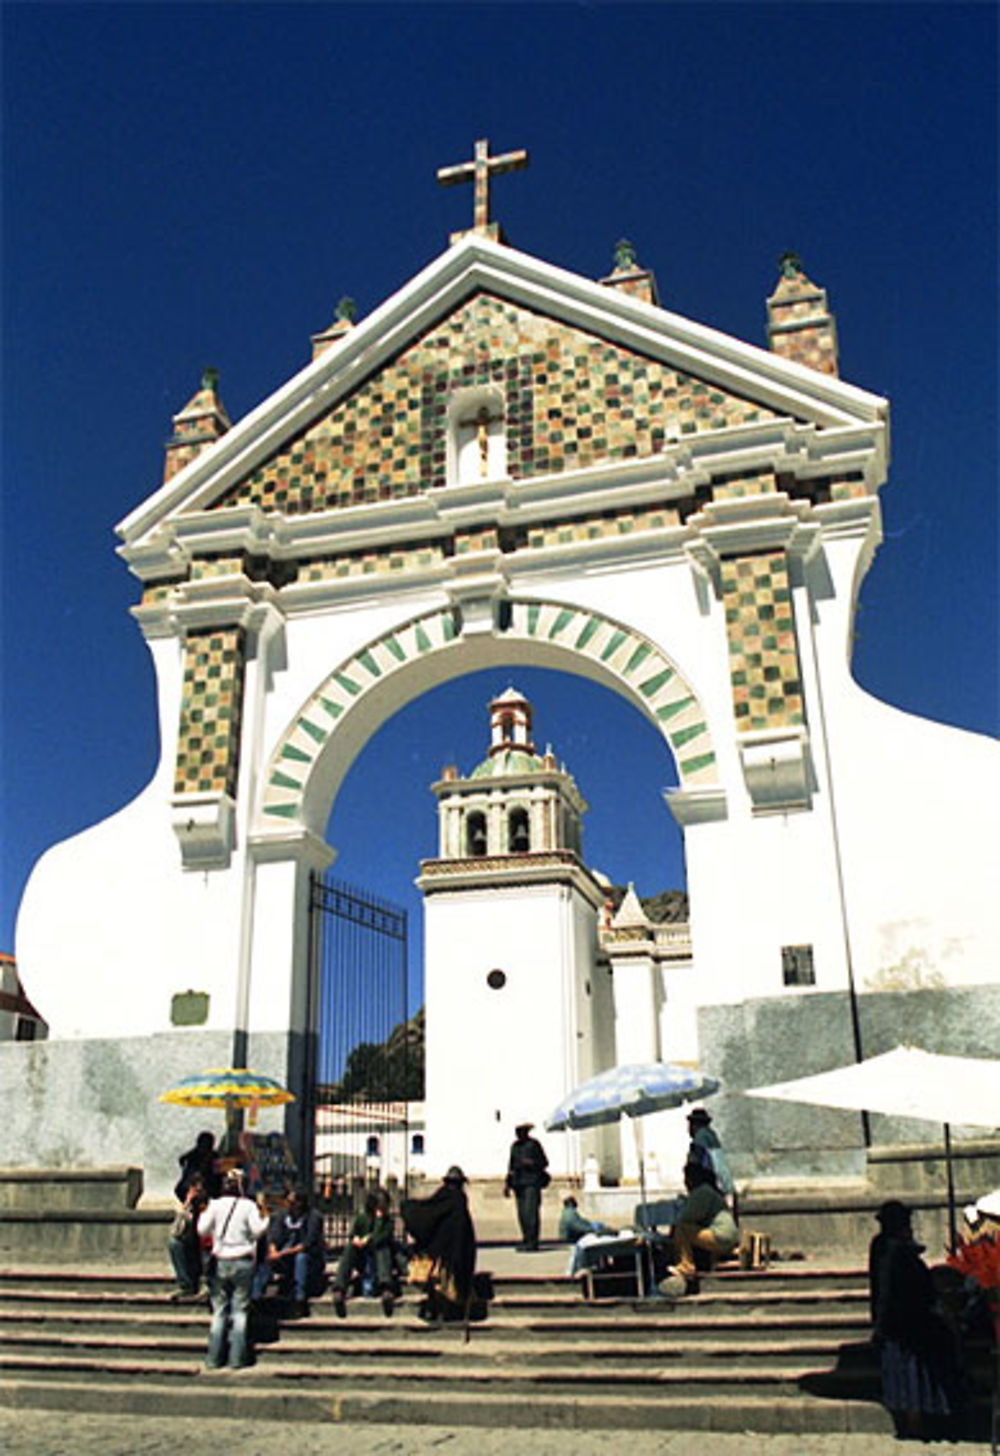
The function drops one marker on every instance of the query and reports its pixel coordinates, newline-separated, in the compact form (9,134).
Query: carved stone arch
(322,740)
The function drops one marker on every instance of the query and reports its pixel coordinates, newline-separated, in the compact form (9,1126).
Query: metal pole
(952,1226)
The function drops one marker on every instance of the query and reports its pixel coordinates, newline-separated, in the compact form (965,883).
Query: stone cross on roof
(479,171)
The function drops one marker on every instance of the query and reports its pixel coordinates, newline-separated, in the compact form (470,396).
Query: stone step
(89,1302)
(243,1396)
(791,1277)
(517,1376)
(367,1325)
(484,1348)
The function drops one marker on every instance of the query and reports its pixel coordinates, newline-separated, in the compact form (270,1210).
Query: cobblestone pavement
(58,1433)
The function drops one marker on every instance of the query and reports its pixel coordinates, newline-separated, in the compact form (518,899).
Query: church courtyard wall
(92,1103)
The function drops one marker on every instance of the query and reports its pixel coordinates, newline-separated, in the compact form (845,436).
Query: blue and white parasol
(632,1090)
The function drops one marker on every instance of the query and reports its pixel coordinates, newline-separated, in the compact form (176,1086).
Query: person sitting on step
(184,1245)
(573,1225)
(370,1238)
(705,1148)
(296,1253)
(705,1224)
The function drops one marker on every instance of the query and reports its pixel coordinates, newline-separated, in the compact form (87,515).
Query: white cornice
(434,515)
(473,264)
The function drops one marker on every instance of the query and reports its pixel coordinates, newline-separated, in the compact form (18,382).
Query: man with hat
(527,1175)
(705,1149)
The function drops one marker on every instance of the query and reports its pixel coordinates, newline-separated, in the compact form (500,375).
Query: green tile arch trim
(638,657)
(561,622)
(320,734)
(587,633)
(614,642)
(685,735)
(394,645)
(691,766)
(284,781)
(571,628)
(652,685)
(670,710)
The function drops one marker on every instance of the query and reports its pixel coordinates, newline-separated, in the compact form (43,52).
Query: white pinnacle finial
(630,912)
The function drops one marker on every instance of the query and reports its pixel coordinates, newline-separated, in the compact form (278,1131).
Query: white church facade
(506,464)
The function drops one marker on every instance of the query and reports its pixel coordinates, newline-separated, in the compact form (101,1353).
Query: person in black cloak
(444,1258)
(922,1384)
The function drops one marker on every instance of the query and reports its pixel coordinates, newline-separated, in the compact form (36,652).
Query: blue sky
(187,184)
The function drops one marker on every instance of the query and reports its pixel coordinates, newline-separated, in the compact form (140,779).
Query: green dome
(508,761)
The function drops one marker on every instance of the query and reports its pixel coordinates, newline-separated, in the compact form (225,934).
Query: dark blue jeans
(185,1255)
(300,1274)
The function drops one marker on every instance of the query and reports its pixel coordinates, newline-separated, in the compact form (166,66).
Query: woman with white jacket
(234,1223)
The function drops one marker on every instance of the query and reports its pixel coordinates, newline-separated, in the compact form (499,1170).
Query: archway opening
(383,821)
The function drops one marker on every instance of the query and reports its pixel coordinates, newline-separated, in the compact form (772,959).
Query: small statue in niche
(483,438)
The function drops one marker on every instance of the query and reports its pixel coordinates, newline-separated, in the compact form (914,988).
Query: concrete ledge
(815,1222)
(67,1236)
(27,1189)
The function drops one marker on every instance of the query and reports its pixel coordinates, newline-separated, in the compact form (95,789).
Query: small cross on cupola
(478,172)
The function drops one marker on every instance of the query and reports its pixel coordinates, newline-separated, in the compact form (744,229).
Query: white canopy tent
(906,1082)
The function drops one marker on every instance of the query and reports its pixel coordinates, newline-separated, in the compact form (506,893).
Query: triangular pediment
(588,376)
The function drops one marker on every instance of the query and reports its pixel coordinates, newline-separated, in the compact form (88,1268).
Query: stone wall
(93,1103)
(777,1039)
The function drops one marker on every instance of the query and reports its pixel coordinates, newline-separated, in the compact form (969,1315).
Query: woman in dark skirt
(444,1259)
(921,1382)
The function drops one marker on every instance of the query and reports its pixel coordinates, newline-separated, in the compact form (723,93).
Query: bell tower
(518,1007)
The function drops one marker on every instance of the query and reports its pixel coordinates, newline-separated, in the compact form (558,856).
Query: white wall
(498,1058)
(915,807)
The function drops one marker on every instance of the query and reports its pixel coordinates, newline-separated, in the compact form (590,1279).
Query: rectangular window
(797,965)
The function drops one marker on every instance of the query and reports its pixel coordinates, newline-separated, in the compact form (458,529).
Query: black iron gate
(367,1053)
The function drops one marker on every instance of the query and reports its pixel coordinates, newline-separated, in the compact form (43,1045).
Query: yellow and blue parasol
(227,1087)
(231,1088)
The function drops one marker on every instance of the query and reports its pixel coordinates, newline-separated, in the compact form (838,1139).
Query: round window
(496,980)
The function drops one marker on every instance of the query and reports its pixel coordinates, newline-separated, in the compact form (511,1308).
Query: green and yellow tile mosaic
(763,652)
(743,483)
(571,399)
(205,567)
(208,743)
(371,563)
(155,593)
(601,527)
(485,539)
(848,487)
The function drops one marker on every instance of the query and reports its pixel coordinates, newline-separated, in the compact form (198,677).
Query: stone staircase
(784,1350)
